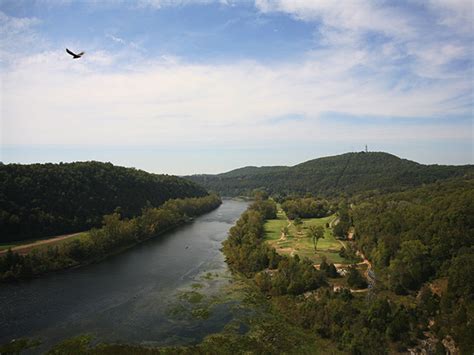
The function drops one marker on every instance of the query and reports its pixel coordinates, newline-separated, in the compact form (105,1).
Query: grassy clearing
(273,227)
(296,241)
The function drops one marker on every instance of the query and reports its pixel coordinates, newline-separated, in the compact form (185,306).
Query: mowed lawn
(296,242)
(273,227)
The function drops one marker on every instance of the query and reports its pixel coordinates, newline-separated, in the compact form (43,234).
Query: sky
(202,86)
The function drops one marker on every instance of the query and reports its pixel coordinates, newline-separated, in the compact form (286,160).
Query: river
(140,296)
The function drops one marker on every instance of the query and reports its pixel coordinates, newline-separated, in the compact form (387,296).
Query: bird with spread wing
(74,55)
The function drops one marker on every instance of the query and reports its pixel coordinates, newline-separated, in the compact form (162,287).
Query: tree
(355,279)
(316,233)
(332,271)
(298,223)
(285,231)
(411,266)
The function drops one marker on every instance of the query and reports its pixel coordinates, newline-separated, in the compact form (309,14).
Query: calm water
(131,297)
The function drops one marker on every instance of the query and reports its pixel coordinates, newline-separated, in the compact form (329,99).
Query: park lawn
(297,242)
(273,227)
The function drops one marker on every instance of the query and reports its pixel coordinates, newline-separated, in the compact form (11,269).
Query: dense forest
(348,174)
(420,243)
(308,207)
(420,238)
(42,200)
(116,234)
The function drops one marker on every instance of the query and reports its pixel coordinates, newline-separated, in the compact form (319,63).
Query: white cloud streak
(437,33)
(50,99)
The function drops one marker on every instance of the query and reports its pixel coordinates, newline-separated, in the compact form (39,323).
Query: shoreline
(76,265)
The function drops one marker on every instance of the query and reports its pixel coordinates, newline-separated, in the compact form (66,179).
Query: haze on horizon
(202,86)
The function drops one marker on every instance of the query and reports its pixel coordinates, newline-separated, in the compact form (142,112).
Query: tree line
(117,233)
(307,207)
(345,174)
(42,200)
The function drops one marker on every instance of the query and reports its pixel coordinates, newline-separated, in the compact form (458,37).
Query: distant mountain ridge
(347,173)
(253,170)
(40,200)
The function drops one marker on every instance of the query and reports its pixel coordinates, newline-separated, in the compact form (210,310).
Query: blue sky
(194,86)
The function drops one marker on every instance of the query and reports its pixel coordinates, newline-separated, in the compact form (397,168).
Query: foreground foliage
(423,235)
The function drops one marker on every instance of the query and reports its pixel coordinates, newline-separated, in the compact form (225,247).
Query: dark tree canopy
(308,207)
(41,200)
(349,173)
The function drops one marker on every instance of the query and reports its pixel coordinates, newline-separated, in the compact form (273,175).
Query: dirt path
(283,236)
(369,274)
(364,259)
(334,222)
(342,243)
(26,248)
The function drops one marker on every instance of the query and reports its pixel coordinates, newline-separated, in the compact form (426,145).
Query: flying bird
(74,55)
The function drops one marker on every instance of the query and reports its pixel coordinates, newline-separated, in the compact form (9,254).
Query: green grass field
(273,227)
(296,241)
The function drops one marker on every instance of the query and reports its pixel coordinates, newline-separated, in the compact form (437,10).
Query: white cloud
(51,99)
(429,34)
(17,36)
(456,14)
(116,39)
(47,98)
(157,4)
(354,15)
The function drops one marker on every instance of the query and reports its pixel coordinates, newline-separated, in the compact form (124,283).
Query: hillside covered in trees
(41,200)
(422,240)
(420,245)
(348,173)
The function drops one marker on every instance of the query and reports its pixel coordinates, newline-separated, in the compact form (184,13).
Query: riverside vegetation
(418,240)
(115,235)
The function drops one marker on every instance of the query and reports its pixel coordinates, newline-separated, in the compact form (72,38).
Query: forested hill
(48,199)
(347,173)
